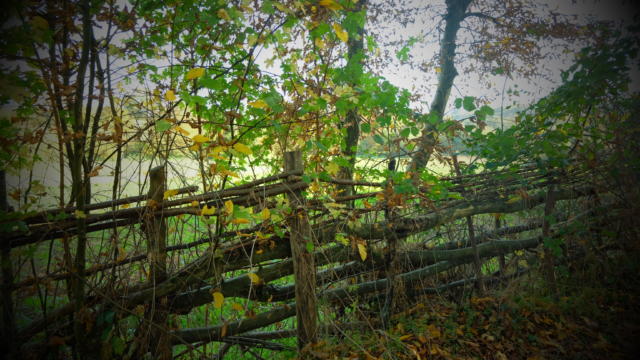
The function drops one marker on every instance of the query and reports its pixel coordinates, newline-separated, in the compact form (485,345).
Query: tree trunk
(352,119)
(429,138)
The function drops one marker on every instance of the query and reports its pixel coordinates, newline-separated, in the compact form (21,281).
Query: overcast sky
(618,11)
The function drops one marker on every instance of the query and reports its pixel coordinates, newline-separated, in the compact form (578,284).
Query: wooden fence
(378,238)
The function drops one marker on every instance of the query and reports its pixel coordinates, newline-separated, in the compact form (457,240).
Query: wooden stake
(304,268)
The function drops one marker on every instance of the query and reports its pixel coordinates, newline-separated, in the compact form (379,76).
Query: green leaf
(433,118)
(487,110)
(405,132)
(162,125)
(309,245)
(467,103)
(403,54)
(377,138)
(458,103)
(118,345)
(365,127)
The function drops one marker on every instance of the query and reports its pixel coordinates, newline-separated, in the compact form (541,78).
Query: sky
(618,11)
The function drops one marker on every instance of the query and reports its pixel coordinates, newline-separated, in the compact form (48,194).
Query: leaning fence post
(302,254)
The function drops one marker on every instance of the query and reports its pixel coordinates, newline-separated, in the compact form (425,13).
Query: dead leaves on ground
(482,328)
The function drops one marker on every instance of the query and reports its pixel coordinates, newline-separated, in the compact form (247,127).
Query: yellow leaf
(181,130)
(206,210)
(438,69)
(237,307)
(255,279)
(319,43)
(122,254)
(194,147)
(199,139)
(229,173)
(362,249)
(333,168)
(194,73)
(265,214)
(218,299)
(340,33)
(228,207)
(514,199)
(280,7)
(39,23)
(125,206)
(434,332)
(330,4)
(217,150)
(239,221)
(170,95)
(260,104)
(252,40)
(242,148)
(222,14)
(342,239)
(170,193)
(80,214)
(406,337)
(195,203)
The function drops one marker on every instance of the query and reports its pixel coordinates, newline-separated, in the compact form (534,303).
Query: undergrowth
(594,315)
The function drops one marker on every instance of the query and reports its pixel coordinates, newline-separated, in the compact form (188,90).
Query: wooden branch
(214,333)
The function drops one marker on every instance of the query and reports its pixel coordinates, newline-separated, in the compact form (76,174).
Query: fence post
(549,258)
(303,264)
(156,233)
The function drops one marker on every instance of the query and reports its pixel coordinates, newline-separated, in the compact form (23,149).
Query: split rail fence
(376,246)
